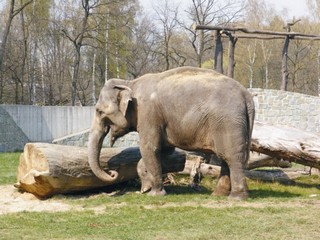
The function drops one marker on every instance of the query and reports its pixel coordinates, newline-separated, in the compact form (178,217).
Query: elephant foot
(238,196)
(223,187)
(221,192)
(145,188)
(157,192)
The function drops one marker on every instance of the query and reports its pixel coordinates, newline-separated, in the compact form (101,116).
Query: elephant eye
(99,112)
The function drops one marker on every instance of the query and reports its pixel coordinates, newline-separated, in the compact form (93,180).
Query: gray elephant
(190,108)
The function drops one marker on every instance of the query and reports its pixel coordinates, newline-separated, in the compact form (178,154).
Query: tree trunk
(290,144)
(48,169)
(6,33)
(75,76)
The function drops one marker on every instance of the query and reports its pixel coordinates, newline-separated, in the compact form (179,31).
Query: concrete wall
(12,138)
(81,139)
(68,125)
(40,124)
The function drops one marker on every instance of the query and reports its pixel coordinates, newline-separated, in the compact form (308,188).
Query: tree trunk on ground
(48,169)
(290,144)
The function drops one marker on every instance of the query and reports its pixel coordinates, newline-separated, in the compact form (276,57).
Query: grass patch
(8,167)
(274,211)
(179,222)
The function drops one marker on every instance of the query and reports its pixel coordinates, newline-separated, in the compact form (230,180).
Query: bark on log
(49,169)
(258,160)
(290,144)
(276,175)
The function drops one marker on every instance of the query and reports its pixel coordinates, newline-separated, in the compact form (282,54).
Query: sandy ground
(12,201)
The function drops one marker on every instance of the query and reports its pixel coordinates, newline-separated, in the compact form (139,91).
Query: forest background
(62,52)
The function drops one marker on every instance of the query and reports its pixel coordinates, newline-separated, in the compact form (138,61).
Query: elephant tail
(250,121)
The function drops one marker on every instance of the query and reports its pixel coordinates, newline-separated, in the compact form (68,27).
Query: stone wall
(288,108)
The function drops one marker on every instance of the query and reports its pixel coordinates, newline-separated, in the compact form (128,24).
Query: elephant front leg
(151,159)
(144,177)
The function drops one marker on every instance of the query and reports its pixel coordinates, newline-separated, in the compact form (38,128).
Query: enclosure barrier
(69,125)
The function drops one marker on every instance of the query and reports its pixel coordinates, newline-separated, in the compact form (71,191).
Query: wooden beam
(268,37)
(218,53)
(252,31)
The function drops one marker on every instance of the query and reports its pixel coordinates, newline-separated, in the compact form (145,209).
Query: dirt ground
(12,201)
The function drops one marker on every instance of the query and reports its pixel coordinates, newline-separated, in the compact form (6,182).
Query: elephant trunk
(96,138)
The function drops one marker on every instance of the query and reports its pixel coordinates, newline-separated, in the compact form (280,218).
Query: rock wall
(288,108)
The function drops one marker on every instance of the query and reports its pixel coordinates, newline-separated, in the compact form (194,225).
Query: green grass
(166,223)
(8,167)
(274,211)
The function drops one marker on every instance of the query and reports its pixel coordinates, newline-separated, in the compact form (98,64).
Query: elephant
(190,108)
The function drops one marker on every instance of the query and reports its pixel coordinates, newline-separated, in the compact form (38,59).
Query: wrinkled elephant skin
(190,108)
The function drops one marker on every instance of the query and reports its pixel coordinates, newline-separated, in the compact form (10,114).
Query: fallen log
(49,169)
(286,143)
(258,160)
(276,175)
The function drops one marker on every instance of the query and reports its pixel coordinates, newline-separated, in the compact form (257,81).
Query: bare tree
(252,48)
(77,41)
(266,53)
(257,14)
(167,19)
(209,12)
(142,56)
(13,11)
(314,8)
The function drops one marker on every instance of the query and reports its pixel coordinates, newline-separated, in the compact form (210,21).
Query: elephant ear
(125,96)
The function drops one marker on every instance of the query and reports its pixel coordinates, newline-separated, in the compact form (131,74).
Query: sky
(295,8)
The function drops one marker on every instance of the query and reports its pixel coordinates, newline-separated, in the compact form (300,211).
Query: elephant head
(110,115)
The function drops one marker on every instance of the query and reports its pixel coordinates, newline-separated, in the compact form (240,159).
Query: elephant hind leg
(223,187)
(239,187)
(232,182)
